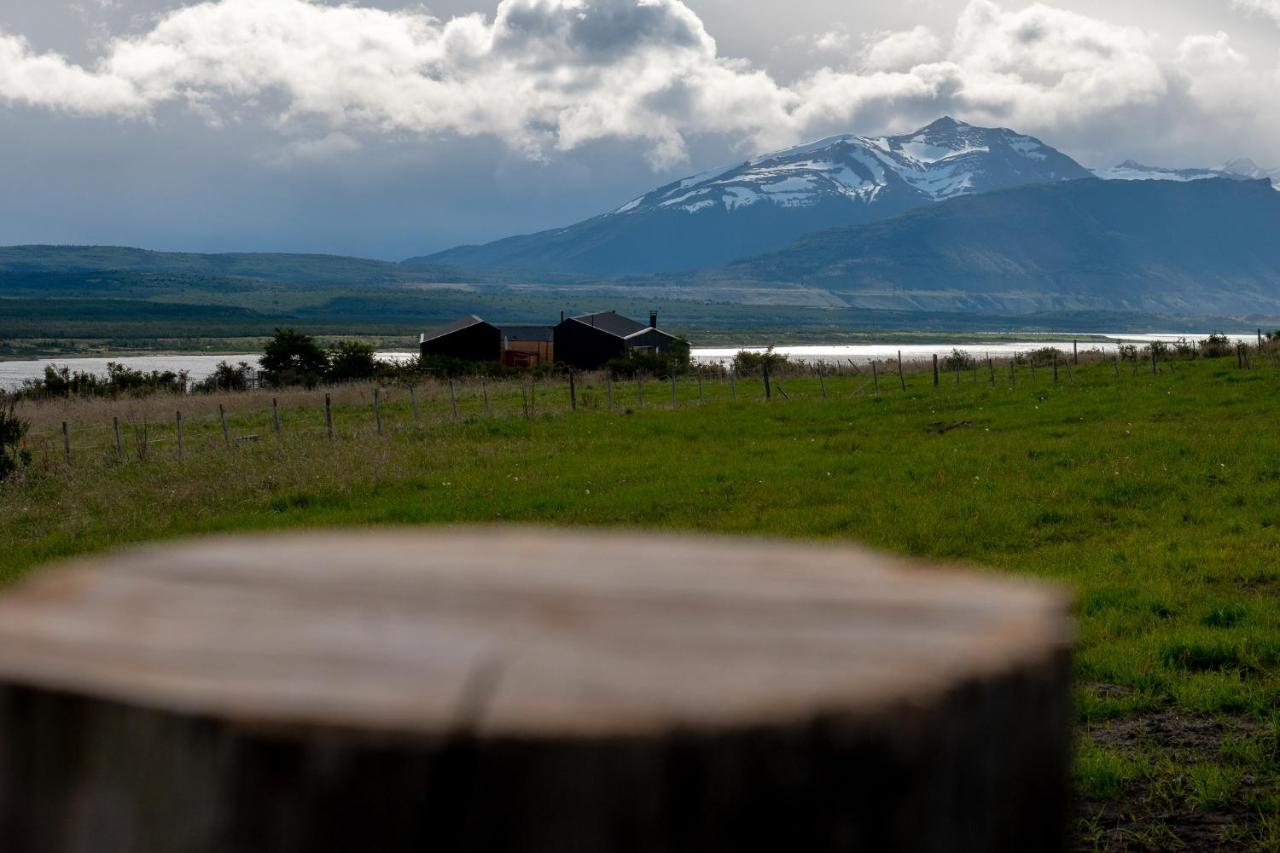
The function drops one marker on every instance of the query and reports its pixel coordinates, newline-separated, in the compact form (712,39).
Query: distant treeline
(294,359)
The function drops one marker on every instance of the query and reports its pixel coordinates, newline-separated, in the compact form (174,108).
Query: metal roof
(611,322)
(449,328)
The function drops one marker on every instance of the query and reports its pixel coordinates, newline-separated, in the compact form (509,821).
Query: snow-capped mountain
(1241,169)
(767,202)
(946,159)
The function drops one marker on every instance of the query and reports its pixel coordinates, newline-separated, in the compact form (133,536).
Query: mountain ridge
(766,202)
(1153,246)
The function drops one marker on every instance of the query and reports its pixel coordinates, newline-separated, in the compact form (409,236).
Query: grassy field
(1156,498)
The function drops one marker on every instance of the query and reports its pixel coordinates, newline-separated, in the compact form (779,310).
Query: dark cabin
(470,338)
(587,342)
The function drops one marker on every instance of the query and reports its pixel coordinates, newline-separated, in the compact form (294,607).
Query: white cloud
(901,51)
(556,74)
(832,41)
(1269,8)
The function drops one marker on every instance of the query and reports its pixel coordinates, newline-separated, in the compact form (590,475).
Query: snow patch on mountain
(948,158)
(1237,170)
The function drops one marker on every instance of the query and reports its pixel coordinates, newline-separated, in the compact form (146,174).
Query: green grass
(1155,499)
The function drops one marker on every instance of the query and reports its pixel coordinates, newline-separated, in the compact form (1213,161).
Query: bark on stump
(499,690)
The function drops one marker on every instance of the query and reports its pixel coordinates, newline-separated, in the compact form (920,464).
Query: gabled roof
(650,330)
(449,328)
(527,333)
(611,322)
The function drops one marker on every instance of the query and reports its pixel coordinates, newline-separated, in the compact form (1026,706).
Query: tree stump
(512,690)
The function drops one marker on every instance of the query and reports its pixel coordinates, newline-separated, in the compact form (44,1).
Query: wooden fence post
(1013,377)
(275,414)
(222,415)
(1055,367)
(180,436)
(901,379)
(183,743)
(115,424)
(639,391)
(935,370)
(673,390)
(764,371)
(822,383)
(733,383)
(991,367)
(66,442)
(875,377)
(524,396)
(573,393)
(453,399)
(1116,362)
(377,409)
(608,388)
(1033,369)
(1154,369)
(1075,353)
(484,389)
(328,415)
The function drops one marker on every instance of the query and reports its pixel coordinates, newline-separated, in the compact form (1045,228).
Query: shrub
(12,431)
(958,360)
(662,365)
(226,377)
(292,358)
(63,382)
(351,360)
(749,361)
(1216,345)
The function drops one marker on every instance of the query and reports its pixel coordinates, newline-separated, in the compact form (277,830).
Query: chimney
(562,316)
(653,319)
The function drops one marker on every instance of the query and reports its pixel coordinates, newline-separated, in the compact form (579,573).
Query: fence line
(77,442)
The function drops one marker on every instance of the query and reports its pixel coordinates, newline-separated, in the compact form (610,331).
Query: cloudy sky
(388,128)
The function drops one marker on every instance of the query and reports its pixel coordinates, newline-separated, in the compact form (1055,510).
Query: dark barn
(589,341)
(469,338)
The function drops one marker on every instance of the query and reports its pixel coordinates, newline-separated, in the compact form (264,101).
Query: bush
(63,382)
(12,430)
(292,358)
(1216,345)
(226,377)
(351,360)
(662,365)
(958,360)
(748,361)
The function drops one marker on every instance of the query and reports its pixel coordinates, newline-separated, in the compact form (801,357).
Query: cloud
(901,51)
(832,41)
(545,75)
(1267,8)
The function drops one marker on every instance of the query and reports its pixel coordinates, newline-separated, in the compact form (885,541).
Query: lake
(13,373)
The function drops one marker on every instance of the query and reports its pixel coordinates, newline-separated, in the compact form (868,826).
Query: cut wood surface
(586,661)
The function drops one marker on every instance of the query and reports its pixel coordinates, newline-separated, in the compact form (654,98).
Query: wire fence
(114,431)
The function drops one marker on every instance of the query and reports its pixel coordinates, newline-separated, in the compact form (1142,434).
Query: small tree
(292,358)
(12,431)
(226,377)
(1217,345)
(747,362)
(351,360)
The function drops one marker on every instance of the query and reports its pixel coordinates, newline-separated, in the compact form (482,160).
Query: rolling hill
(1197,247)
